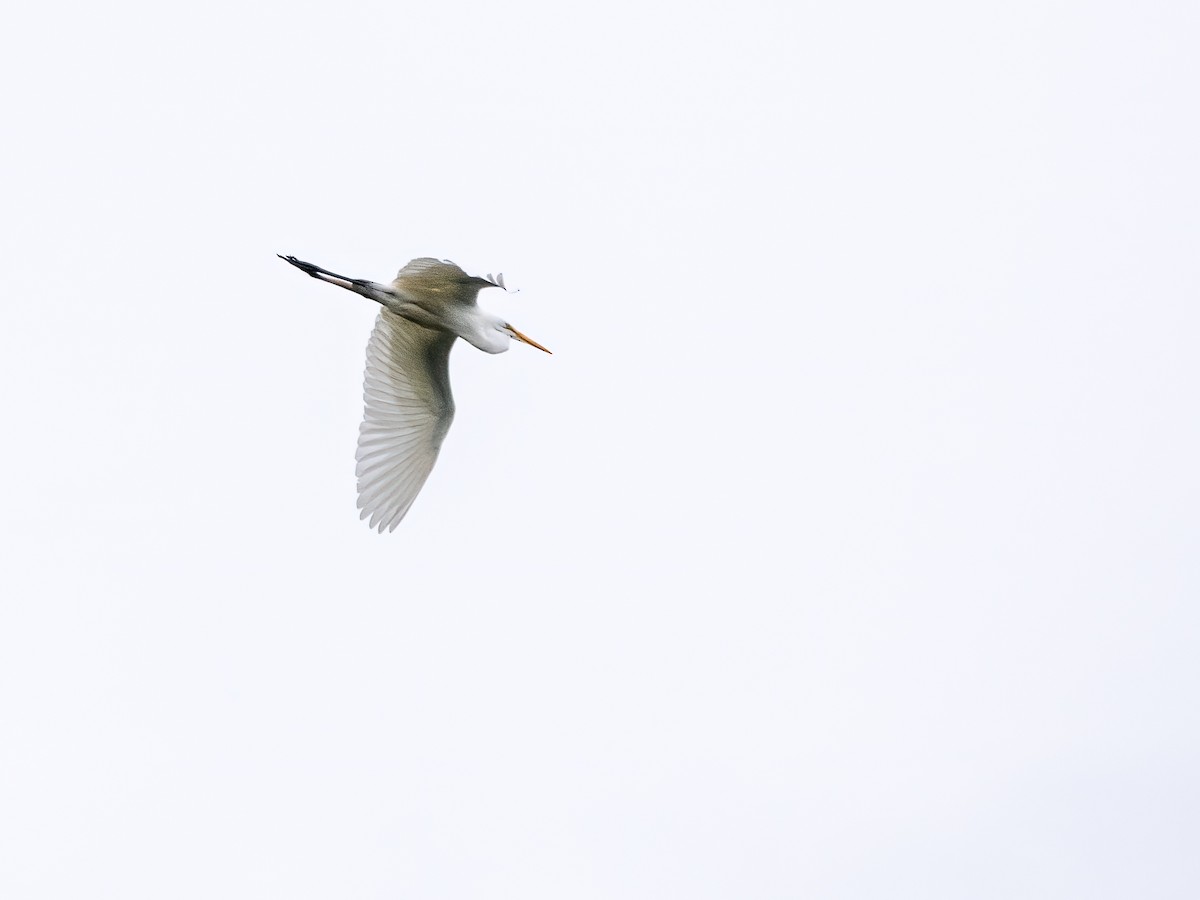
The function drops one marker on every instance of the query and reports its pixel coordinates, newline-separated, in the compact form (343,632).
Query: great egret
(407,384)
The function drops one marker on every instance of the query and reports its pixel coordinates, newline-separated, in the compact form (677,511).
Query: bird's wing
(441,281)
(408,412)
(426,267)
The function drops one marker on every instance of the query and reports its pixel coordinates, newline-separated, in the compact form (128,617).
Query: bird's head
(492,334)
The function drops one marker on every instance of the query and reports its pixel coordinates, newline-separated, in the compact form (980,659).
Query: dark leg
(316,271)
(377,292)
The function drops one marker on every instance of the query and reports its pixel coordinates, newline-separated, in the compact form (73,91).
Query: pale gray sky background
(845,548)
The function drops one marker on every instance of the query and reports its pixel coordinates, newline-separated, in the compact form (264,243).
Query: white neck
(484,331)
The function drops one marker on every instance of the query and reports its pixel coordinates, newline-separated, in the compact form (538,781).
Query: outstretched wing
(440,280)
(408,412)
(424,266)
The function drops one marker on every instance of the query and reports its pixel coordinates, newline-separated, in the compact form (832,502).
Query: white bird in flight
(407,384)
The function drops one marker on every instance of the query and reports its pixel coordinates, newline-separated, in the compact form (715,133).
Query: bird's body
(409,405)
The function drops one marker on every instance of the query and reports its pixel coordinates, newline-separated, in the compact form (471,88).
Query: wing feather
(409,407)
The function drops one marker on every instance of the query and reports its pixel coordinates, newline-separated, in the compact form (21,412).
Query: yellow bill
(530,341)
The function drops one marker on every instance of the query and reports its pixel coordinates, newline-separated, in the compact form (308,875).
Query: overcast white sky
(845,548)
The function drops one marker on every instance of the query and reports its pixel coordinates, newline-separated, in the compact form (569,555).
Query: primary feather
(409,409)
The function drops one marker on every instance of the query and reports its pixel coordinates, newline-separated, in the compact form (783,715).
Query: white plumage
(406,389)
(408,412)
